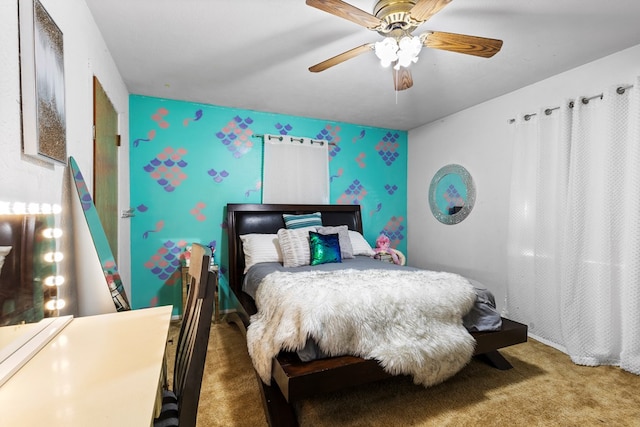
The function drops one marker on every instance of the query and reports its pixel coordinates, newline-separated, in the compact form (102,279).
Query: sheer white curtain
(295,170)
(539,176)
(574,232)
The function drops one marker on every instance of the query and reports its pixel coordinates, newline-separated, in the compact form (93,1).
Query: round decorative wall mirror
(451,194)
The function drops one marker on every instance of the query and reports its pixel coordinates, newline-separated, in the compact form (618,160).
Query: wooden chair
(180,405)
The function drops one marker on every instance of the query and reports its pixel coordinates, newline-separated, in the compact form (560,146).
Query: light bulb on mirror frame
(52,233)
(55,304)
(54,281)
(53,256)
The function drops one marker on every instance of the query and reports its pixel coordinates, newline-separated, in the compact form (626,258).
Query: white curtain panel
(538,177)
(295,170)
(574,232)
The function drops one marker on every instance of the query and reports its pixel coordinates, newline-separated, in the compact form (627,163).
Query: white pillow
(359,244)
(346,249)
(260,248)
(294,244)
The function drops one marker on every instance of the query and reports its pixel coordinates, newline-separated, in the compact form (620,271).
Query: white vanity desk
(102,370)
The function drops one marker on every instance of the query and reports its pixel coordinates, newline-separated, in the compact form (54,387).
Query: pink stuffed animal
(383,246)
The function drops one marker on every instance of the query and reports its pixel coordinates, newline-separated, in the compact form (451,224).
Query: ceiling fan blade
(425,9)
(352,53)
(346,11)
(402,78)
(470,45)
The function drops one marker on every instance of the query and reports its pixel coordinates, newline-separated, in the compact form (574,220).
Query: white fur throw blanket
(409,321)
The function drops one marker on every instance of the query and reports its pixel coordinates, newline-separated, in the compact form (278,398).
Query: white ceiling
(255,54)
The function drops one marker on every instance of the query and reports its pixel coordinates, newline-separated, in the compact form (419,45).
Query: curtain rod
(585,100)
(293,138)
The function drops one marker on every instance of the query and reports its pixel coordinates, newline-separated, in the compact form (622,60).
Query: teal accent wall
(188,160)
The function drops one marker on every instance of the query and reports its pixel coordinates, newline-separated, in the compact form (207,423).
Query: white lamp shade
(404,51)
(387,51)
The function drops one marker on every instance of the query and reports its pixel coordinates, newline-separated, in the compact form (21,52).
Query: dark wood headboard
(267,219)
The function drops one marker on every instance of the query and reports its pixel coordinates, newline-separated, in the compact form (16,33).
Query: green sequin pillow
(324,248)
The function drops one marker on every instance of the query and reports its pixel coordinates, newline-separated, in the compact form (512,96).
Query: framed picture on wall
(42,84)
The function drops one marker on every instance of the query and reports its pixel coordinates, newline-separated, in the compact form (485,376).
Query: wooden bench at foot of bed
(297,379)
(293,379)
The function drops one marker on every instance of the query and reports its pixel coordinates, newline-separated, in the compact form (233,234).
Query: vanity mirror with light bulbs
(30,297)
(29,258)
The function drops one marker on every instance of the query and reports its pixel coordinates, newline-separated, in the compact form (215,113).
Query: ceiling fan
(396,20)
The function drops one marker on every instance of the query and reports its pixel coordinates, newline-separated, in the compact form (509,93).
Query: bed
(291,377)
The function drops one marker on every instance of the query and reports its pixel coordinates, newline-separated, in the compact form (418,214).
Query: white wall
(85,54)
(479,139)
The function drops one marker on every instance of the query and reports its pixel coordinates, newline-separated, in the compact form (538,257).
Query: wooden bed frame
(292,378)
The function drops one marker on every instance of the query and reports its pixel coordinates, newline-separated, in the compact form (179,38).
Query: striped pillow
(300,221)
(260,248)
(169,413)
(294,245)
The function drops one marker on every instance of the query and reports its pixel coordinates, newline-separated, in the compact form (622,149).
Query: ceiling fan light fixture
(411,45)
(409,49)
(386,50)
(395,20)
(403,52)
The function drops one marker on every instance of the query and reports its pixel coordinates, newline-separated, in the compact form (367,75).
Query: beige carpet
(544,389)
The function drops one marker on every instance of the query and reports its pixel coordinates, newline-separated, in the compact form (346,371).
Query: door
(105,164)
